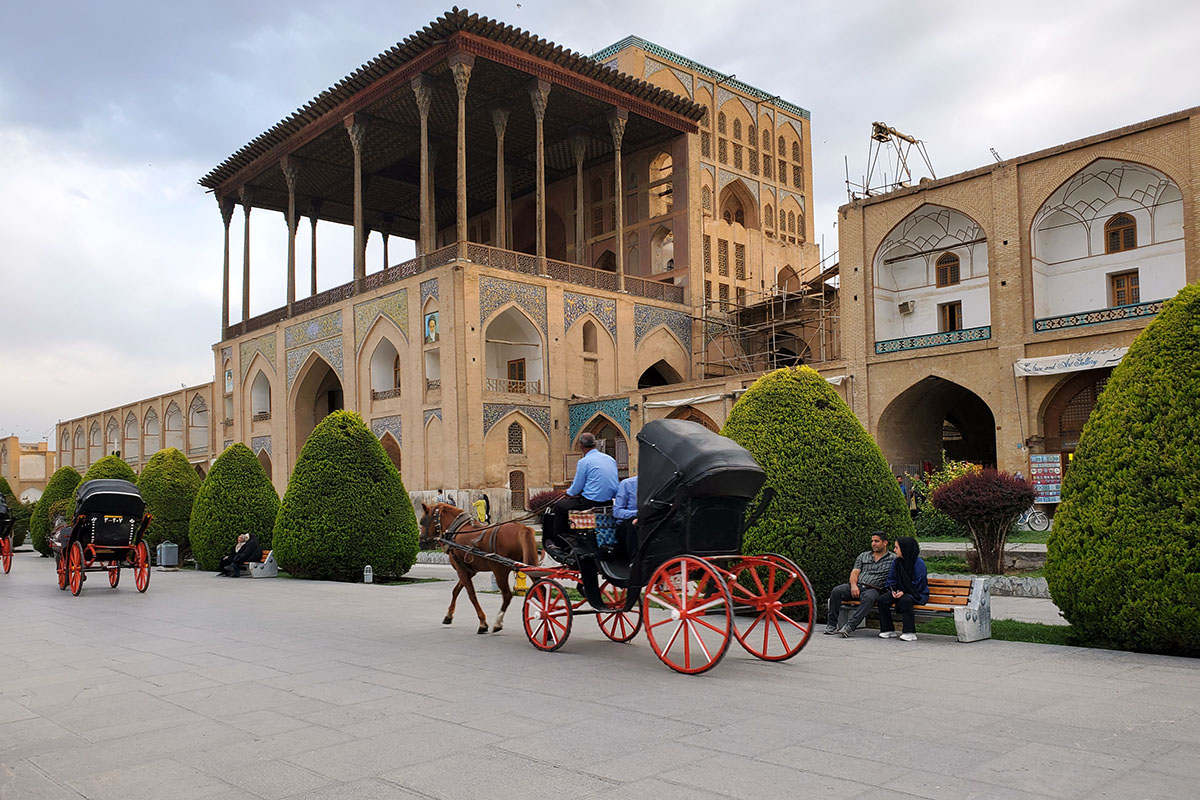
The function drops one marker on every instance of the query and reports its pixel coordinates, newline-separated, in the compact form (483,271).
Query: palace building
(572,217)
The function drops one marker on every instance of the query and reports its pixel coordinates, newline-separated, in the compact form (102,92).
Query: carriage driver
(595,484)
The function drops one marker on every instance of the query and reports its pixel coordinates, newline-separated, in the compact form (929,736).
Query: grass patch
(948,565)
(1009,630)
(1016,537)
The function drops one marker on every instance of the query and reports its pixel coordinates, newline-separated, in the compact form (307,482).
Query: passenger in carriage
(625,509)
(246,551)
(595,485)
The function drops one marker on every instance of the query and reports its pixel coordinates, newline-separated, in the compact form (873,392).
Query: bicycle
(1035,519)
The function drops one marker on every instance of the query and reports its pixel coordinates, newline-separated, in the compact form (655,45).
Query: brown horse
(510,540)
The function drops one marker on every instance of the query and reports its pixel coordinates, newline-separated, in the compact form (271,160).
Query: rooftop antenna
(995,155)
(895,149)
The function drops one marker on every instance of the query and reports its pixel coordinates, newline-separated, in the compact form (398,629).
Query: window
(1120,234)
(795,151)
(597,189)
(737,129)
(769,216)
(766,166)
(766,141)
(721,123)
(791,222)
(950,317)
(782,221)
(722,258)
(737,156)
(741,296)
(722,152)
(708,254)
(947,269)
(798,177)
(782,147)
(589,337)
(706,198)
(1124,288)
(597,220)
(396,372)
(739,216)
(707,291)
(739,261)
(516,486)
(782,171)
(705,144)
(516,439)
(516,375)
(752,162)
(751,134)
(724,296)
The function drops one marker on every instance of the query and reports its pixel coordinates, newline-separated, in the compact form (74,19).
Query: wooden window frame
(950,316)
(1122,227)
(1132,288)
(948,266)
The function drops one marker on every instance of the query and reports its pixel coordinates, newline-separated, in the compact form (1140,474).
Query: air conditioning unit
(907,306)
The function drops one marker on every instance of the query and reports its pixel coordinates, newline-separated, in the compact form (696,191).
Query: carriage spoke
(699,641)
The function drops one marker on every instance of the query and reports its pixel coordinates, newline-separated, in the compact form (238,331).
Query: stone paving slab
(331,691)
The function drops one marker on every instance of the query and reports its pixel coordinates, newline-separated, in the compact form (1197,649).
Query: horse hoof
(482,629)
(497,628)
(447,620)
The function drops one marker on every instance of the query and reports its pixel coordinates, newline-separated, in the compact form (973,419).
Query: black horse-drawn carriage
(683,577)
(105,534)
(6,526)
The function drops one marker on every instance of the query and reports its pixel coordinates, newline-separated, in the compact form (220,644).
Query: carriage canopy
(109,496)
(678,456)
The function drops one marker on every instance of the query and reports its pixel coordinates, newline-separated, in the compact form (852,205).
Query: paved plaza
(212,688)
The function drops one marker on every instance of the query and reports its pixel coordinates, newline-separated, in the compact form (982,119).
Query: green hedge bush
(61,486)
(345,507)
(169,485)
(237,497)
(833,486)
(1123,560)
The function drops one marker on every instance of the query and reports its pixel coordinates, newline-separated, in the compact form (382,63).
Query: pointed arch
(260,396)
(591,344)
(513,352)
(112,436)
(392,448)
(692,414)
(132,438)
(316,393)
(935,415)
(737,205)
(264,458)
(173,426)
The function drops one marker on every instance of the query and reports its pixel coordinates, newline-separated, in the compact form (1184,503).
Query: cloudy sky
(110,254)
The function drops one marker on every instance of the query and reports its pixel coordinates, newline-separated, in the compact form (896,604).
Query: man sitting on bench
(247,550)
(867,582)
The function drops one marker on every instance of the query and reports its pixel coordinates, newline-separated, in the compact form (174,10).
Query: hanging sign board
(1073,362)
(1045,469)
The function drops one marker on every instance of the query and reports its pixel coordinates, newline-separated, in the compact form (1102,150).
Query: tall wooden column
(579,142)
(246,195)
(227,204)
(500,121)
(314,210)
(290,174)
(460,65)
(422,88)
(356,127)
(616,123)
(385,229)
(539,93)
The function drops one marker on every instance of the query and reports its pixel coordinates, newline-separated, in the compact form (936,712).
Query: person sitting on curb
(246,551)
(907,586)
(867,581)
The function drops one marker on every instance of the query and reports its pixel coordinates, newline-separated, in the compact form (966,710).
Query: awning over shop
(1072,362)
(687,401)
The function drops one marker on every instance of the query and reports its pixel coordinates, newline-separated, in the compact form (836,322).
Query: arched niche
(594,350)
(533,458)
(316,393)
(933,416)
(513,354)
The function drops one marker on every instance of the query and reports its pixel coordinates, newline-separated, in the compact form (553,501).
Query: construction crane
(898,147)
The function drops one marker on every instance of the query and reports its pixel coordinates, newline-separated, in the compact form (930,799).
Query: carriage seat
(267,568)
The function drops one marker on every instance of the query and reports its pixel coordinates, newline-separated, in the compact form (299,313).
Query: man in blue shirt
(595,484)
(625,509)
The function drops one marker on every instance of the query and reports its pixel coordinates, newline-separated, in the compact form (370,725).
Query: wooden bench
(267,568)
(967,600)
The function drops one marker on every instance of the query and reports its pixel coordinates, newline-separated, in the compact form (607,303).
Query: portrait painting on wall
(431,327)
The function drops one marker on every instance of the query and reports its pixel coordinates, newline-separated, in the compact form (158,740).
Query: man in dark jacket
(247,551)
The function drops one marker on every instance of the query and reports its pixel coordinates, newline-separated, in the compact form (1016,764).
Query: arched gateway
(934,416)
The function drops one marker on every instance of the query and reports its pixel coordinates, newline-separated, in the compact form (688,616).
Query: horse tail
(529,553)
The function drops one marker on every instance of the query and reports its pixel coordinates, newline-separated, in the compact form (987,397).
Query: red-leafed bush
(543,500)
(988,503)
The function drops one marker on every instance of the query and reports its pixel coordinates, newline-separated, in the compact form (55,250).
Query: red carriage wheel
(60,566)
(686,609)
(773,604)
(617,623)
(75,568)
(6,553)
(547,613)
(141,566)
(114,574)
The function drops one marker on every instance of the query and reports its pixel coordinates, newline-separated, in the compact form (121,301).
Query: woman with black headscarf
(907,586)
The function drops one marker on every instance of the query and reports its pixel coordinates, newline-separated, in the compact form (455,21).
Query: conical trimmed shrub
(833,486)
(169,485)
(1123,560)
(61,486)
(345,507)
(237,497)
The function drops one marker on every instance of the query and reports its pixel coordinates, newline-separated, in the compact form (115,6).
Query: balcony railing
(933,340)
(433,384)
(261,416)
(479,254)
(1133,311)
(386,394)
(514,387)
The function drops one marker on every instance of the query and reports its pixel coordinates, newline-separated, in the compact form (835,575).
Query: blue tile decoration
(686,79)
(1134,311)
(382,425)
(394,306)
(263,344)
(724,95)
(496,292)
(725,178)
(712,171)
(260,443)
(582,413)
(576,305)
(429,289)
(313,330)
(784,194)
(647,318)
(227,445)
(330,350)
(706,84)
(494,412)
(933,340)
(430,413)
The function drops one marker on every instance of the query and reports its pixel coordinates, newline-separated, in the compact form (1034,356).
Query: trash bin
(168,554)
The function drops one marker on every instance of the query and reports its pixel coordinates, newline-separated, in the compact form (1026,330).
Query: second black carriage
(106,534)
(683,578)
(6,526)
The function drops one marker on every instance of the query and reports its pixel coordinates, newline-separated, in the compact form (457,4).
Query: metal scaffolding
(787,325)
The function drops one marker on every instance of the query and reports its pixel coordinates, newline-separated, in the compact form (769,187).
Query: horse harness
(450,535)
